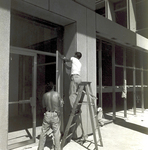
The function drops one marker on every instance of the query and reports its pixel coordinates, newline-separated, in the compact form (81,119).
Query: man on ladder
(75,81)
(74,76)
(77,91)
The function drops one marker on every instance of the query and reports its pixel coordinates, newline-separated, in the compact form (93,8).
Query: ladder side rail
(97,123)
(80,90)
(91,116)
(96,119)
(78,98)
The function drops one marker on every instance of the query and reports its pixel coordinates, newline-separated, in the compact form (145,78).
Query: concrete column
(70,47)
(90,64)
(4,70)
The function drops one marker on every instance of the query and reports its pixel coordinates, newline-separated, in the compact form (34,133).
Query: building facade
(112,36)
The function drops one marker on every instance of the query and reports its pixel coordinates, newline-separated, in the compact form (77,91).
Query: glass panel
(20,91)
(107,102)
(138,99)
(120,5)
(129,100)
(145,60)
(129,76)
(138,77)
(121,13)
(138,59)
(129,57)
(119,76)
(46,73)
(106,64)
(101,11)
(118,55)
(145,77)
(119,102)
(33,33)
(121,17)
(145,95)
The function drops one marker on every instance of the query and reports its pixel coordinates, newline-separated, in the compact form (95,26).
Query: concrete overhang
(41,13)
(113,31)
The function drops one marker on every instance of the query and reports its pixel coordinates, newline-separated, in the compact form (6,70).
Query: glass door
(22,98)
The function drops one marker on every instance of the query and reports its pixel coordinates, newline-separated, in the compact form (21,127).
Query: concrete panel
(32,10)
(4,71)
(67,8)
(141,42)
(40,3)
(87,3)
(112,30)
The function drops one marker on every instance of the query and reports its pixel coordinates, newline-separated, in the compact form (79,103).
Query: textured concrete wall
(120,34)
(39,3)
(87,3)
(4,70)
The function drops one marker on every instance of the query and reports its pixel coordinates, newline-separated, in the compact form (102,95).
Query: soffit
(29,9)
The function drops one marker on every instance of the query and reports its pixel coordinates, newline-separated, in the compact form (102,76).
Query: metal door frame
(33,53)
(32,101)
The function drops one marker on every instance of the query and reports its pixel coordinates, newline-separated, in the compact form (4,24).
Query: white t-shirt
(76,66)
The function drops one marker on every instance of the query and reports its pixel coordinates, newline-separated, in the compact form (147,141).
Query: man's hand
(66,59)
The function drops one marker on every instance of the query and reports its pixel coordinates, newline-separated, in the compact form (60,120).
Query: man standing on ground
(53,103)
(75,76)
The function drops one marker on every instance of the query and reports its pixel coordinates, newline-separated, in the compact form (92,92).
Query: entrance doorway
(30,70)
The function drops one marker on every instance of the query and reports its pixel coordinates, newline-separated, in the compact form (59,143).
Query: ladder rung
(97,127)
(69,135)
(92,104)
(84,91)
(79,103)
(72,125)
(93,98)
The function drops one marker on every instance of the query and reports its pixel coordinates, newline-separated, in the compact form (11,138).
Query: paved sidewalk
(129,133)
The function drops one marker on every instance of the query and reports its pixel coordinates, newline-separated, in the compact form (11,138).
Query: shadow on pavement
(129,125)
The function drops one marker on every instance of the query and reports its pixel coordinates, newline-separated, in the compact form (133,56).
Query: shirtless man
(53,103)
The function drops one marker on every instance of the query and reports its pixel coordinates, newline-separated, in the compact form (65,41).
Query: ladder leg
(75,106)
(91,116)
(96,119)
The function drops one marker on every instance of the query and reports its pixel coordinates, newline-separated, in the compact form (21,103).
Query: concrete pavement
(129,133)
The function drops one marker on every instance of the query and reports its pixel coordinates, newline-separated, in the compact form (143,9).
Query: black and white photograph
(73,74)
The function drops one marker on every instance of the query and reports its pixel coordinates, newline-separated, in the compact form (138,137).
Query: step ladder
(83,89)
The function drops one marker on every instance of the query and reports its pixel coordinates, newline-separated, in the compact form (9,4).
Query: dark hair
(78,55)
(49,86)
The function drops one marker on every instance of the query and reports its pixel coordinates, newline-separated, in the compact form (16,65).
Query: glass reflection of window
(120,9)
(118,55)
(101,11)
(106,63)
(129,57)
